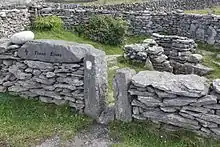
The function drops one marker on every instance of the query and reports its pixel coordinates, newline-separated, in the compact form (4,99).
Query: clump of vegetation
(47,23)
(104,29)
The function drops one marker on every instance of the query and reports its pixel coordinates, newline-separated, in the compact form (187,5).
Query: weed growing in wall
(104,29)
(47,23)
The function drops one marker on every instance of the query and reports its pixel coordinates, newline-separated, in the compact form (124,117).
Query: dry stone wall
(204,28)
(15,15)
(12,21)
(55,71)
(168,53)
(172,101)
(151,4)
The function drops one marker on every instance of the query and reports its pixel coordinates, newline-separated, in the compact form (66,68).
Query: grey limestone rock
(195,58)
(46,99)
(156,115)
(185,85)
(42,92)
(50,74)
(206,100)
(18,73)
(150,101)
(180,121)
(180,101)
(169,109)
(121,84)
(22,37)
(163,94)
(44,80)
(207,124)
(55,51)
(216,131)
(216,85)
(95,83)
(39,65)
(196,109)
(107,115)
(17,88)
(138,103)
(140,93)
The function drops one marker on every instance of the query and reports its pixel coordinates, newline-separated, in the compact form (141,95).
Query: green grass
(215,10)
(69,36)
(28,122)
(209,53)
(142,134)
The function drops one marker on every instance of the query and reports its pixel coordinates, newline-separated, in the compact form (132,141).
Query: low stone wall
(168,53)
(13,21)
(57,72)
(152,5)
(172,101)
(68,1)
(9,4)
(202,28)
(15,15)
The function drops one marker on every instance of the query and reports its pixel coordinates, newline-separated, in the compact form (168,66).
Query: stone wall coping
(56,51)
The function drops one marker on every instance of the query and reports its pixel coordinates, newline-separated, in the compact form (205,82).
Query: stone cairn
(150,53)
(168,53)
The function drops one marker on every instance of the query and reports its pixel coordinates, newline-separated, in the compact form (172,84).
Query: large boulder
(182,85)
(22,37)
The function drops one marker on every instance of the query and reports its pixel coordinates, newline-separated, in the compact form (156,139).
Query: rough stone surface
(186,85)
(54,81)
(107,115)
(22,37)
(178,101)
(121,83)
(55,51)
(95,83)
(216,85)
(168,53)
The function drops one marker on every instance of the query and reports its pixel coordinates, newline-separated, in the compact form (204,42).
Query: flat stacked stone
(150,53)
(54,71)
(179,101)
(181,54)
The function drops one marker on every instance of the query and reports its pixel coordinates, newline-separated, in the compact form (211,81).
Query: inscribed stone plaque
(54,51)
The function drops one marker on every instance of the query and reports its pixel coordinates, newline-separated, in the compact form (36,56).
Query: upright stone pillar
(95,83)
(121,83)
